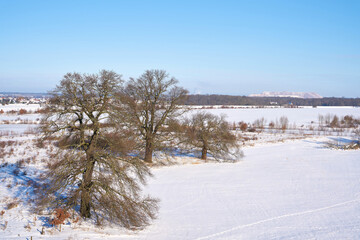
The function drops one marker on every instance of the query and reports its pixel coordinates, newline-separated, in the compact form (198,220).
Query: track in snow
(276,218)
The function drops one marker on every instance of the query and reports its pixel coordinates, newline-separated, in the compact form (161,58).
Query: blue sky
(222,47)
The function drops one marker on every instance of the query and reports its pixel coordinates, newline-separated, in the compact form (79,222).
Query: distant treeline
(266,101)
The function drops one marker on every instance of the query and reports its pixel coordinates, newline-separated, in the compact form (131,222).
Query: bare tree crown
(149,102)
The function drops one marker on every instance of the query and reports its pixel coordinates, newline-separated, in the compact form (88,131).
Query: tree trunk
(204,153)
(148,151)
(85,206)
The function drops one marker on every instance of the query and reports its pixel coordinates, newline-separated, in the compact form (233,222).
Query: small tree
(335,122)
(210,134)
(284,123)
(259,123)
(90,169)
(148,104)
(321,119)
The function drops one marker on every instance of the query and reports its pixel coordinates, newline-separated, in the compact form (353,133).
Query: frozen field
(296,189)
(304,115)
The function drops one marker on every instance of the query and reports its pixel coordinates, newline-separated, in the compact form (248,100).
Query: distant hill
(287,94)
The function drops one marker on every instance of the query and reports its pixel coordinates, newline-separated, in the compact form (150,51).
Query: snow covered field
(302,115)
(297,189)
(18,106)
(293,190)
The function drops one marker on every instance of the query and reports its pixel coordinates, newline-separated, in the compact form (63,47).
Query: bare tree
(334,122)
(94,167)
(210,134)
(259,123)
(148,104)
(284,123)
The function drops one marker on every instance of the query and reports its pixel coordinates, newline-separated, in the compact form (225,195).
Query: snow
(292,190)
(17,128)
(303,115)
(15,117)
(282,189)
(18,106)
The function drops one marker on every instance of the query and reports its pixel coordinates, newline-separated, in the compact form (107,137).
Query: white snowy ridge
(287,94)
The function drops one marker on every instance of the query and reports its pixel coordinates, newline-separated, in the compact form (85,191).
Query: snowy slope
(296,190)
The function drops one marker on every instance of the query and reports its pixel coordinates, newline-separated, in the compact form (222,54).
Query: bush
(243,126)
(22,111)
(60,215)
(251,130)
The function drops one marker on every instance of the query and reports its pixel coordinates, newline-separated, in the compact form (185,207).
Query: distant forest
(267,101)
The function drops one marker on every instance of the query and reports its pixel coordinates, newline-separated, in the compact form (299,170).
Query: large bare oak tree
(148,104)
(211,134)
(95,167)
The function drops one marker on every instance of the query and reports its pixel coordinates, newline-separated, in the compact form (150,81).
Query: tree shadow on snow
(23,184)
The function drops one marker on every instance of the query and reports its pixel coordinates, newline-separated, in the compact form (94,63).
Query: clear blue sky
(223,47)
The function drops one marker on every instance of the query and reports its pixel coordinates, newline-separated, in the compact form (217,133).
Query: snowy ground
(295,189)
(17,107)
(299,116)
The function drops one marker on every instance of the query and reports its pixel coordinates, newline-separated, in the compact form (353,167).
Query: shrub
(251,130)
(243,126)
(22,111)
(41,110)
(60,215)
(11,112)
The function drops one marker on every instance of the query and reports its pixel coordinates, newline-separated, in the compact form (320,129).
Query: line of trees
(106,131)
